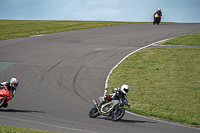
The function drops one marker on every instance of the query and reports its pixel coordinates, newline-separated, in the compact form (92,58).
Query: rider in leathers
(11,85)
(159,14)
(116,93)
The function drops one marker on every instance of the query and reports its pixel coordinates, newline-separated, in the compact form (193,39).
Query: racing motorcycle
(113,109)
(156,19)
(5,96)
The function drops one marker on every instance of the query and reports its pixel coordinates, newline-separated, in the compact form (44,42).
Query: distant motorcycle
(156,19)
(5,96)
(113,109)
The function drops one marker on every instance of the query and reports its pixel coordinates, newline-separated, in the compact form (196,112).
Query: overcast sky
(101,10)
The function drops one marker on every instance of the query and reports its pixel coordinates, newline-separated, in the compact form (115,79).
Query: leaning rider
(12,86)
(116,92)
(158,13)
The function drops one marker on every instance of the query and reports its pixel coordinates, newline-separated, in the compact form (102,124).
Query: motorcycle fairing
(156,15)
(107,107)
(5,93)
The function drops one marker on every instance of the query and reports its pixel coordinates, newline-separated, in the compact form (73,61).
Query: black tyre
(93,113)
(2,101)
(117,115)
(154,21)
(5,105)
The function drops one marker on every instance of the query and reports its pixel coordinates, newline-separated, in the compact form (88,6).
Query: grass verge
(190,39)
(22,28)
(9,129)
(164,82)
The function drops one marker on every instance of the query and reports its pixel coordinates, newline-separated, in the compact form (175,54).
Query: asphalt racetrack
(61,73)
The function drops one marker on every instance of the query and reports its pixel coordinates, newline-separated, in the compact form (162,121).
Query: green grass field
(164,82)
(9,129)
(190,39)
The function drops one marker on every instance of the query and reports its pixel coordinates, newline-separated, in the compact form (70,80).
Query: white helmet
(125,88)
(159,9)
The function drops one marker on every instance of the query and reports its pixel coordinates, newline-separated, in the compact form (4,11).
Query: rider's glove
(128,105)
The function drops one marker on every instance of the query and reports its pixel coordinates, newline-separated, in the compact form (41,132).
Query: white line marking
(106,83)
(36,35)
(73,129)
(160,120)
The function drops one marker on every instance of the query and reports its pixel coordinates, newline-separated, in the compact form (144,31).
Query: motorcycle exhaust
(96,105)
(94,102)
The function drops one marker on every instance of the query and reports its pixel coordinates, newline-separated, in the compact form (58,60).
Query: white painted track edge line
(106,83)
(45,124)
(160,120)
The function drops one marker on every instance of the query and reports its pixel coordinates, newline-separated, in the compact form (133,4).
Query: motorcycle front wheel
(93,113)
(2,101)
(118,114)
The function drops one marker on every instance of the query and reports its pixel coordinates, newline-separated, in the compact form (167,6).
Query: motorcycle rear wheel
(93,113)
(117,115)
(2,101)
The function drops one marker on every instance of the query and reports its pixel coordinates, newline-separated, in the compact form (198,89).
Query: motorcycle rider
(11,85)
(116,93)
(159,13)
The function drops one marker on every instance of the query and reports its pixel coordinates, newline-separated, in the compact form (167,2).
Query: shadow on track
(126,121)
(22,111)
(134,121)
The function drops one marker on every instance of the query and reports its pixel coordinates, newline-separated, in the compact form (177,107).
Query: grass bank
(164,82)
(9,129)
(190,39)
(22,28)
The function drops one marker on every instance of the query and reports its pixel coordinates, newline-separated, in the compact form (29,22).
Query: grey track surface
(61,73)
